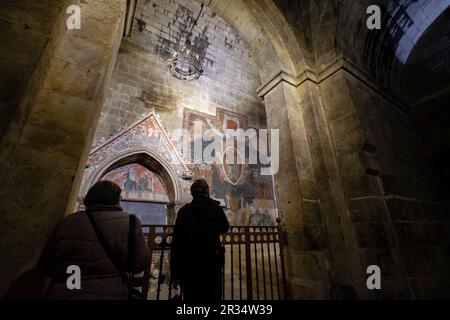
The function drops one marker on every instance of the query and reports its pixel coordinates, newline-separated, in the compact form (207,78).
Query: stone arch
(417,25)
(290,91)
(427,94)
(265,30)
(148,159)
(292,103)
(384,53)
(153,162)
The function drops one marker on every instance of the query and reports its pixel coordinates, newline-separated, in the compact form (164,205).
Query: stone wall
(353,187)
(225,92)
(377,197)
(397,213)
(414,222)
(142,81)
(49,134)
(26,27)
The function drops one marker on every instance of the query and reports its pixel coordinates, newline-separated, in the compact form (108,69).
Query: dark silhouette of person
(197,257)
(74,242)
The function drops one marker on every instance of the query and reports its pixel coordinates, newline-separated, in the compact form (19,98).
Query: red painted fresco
(137,182)
(247,195)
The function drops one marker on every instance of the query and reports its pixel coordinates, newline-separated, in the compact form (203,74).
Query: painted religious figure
(138,183)
(246,195)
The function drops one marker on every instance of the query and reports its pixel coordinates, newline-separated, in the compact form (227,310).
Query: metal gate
(254,265)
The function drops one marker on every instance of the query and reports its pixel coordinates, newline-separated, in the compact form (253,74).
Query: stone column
(306,251)
(323,257)
(49,136)
(347,274)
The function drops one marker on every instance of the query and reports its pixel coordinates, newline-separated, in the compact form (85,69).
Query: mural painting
(143,193)
(145,135)
(246,195)
(138,183)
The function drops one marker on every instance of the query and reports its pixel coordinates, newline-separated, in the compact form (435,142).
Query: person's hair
(200,188)
(103,193)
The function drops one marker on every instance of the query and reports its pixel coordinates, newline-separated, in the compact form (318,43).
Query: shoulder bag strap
(131,241)
(101,239)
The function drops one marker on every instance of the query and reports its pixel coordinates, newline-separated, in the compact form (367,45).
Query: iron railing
(254,265)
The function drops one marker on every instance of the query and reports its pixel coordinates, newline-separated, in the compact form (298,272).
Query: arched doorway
(143,193)
(142,160)
(149,186)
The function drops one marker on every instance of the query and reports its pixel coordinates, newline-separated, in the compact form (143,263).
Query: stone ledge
(329,70)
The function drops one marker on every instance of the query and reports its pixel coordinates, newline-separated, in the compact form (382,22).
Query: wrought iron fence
(254,265)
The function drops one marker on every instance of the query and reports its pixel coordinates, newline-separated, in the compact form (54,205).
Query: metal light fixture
(186,64)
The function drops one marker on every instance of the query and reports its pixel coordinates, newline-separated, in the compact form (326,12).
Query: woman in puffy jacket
(74,242)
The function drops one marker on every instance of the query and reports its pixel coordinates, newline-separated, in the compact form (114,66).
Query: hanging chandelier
(186,64)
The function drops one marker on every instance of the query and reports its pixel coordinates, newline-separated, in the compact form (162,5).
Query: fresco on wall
(246,195)
(145,135)
(146,132)
(138,183)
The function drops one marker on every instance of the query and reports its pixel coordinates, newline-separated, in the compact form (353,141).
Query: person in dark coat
(74,242)
(197,257)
